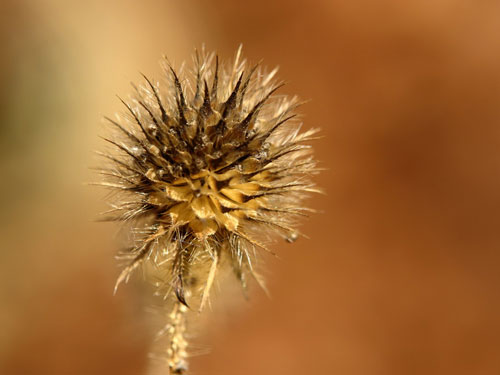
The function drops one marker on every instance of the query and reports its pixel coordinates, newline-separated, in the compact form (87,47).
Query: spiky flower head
(209,164)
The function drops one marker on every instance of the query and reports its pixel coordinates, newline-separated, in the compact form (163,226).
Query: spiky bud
(207,167)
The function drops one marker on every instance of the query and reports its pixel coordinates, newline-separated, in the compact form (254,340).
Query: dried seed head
(207,167)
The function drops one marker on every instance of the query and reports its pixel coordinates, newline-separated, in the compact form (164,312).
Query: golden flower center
(209,201)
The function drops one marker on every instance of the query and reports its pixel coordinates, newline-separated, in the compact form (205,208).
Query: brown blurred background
(401,271)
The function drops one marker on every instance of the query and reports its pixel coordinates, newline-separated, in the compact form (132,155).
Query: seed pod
(207,168)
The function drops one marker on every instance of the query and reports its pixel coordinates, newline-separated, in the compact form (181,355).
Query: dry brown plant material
(205,170)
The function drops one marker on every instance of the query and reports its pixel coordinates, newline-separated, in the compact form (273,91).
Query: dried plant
(207,168)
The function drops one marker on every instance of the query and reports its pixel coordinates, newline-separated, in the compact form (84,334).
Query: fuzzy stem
(176,352)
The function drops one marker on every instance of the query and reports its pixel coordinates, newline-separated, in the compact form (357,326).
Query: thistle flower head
(207,166)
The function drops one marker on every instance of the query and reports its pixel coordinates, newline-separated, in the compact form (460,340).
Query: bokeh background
(401,271)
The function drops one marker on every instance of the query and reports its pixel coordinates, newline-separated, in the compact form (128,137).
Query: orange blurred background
(401,271)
